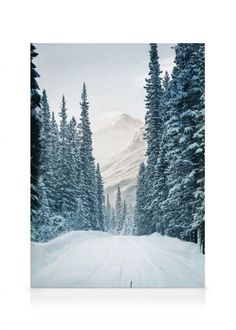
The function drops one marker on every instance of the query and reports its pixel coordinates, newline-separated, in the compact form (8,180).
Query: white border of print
(23,22)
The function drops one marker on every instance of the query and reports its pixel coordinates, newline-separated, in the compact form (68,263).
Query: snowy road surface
(96,259)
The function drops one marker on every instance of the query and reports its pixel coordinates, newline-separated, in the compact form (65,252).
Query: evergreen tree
(46,168)
(170,207)
(113,221)
(153,118)
(131,224)
(118,211)
(54,166)
(160,190)
(82,215)
(88,171)
(35,134)
(166,84)
(108,215)
(72,180)
(41,228)
(45,132)
(124,229)
(128,219)
(140,222)
(171,197)
(101,199)
(199,139)
(64,163)
(185,103)
(154,128)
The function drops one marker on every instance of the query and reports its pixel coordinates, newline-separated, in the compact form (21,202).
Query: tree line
(119,219)
(67,188)
(70,185)
(170,186)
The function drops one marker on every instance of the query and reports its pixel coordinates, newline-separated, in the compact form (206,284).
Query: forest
(67,188)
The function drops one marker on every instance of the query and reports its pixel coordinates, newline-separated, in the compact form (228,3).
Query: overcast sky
(114,75)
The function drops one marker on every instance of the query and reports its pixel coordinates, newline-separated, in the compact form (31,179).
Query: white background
(23,22)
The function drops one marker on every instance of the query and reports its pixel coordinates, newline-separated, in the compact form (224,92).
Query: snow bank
(43,254)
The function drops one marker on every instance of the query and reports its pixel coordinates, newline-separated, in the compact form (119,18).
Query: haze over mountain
(113,132)
(123,169)
(120,148)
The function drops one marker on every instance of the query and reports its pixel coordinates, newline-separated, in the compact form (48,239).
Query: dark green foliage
(118,210)
(47,159)
(154,129)
(170,191)
(140,213)
(35,134)
(108,216)
(88,170)
(64,163)
(100,199)
(54,166)
(71,193)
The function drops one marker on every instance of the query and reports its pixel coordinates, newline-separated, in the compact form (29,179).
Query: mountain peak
(110,118)
(113,132)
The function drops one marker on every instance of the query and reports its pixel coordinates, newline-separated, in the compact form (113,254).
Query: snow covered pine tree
(35,134)
(170,190)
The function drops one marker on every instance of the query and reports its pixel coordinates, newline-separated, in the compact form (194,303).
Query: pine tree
(113,221)
(64,163)
(124,229)
(35,134)
(131,228)
(45,132)
(88,171)
(140,222)
(108,215)
(185,100)
(154,106)
(170,190)
(160,190)
(54,166)
(118,212)
(101,199)
(46,168)
(199,139)
(154,128)
(82,215)
(73,184)
(41,228)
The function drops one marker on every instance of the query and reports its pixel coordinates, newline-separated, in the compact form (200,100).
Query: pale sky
(114,75)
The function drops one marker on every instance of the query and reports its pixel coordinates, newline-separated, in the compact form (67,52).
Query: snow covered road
(96,259)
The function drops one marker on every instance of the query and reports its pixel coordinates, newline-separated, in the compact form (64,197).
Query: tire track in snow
(93,259)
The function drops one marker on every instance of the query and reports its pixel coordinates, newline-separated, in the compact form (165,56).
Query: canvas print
(117,165)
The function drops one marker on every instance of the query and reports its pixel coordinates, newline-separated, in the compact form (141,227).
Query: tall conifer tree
(35,133)
(118,210)
(64,162)
(140,223)
(46,168)
(100,198)
(108,215)
(154,129)
(88,165)
(54,165)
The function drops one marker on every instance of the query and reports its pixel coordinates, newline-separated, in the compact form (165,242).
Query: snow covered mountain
(119,148)
(113,132)
(122,170)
